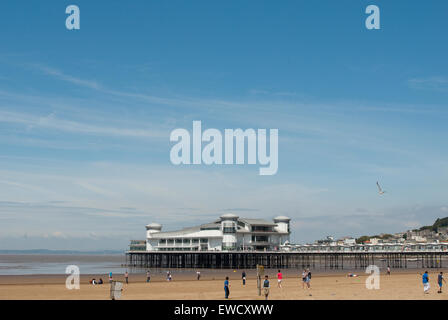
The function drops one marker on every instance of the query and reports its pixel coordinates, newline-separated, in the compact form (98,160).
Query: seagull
(379,188)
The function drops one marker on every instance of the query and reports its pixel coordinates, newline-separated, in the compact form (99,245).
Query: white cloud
(52,122)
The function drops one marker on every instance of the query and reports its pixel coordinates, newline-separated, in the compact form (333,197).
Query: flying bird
(379,188)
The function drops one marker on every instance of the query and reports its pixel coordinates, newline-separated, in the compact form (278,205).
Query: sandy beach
(404,285)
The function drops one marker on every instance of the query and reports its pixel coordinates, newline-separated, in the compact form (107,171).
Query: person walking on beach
(110,277)
(126,277)
(243,276)
(388,270)
(198,274)
(440,280)
(148,276)
(266,287)
(308,279)
(168,276)
(227,288)
(279,279)
(303,278)
(425,280)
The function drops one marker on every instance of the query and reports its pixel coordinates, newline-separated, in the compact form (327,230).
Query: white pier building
(230,232)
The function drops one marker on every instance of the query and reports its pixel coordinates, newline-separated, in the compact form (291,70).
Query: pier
(284,260)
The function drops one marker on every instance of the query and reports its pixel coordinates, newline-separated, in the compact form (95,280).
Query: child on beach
(388,270)
(227,288)
(126,277)
(148,276)
(440,281)
(279,279)
(110,277)
(266,287)
(243,276)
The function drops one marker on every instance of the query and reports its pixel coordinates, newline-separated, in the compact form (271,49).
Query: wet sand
(334,286)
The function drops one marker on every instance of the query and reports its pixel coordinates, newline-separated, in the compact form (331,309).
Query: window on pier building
(228,230)
(242,225)
(261,228)
(260,238)
(228,227)
(204,240)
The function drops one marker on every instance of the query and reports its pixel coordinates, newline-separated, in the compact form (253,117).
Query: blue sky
(85,116)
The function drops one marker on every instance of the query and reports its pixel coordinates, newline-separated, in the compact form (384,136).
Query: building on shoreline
(228,233)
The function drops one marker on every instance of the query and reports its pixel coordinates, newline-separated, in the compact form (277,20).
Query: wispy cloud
(51,121)
(68,78)
(435,83)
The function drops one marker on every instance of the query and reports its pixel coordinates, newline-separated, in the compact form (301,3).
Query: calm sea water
(29,264)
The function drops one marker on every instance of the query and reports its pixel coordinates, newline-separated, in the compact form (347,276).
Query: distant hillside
(440,222)
(443,222)
(47,251)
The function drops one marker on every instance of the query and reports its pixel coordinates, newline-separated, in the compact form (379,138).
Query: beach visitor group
(305,276)
(427,286)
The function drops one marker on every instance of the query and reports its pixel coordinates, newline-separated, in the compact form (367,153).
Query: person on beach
(243,276)
(227,288)
(148,276)
(350,275)
(388,270)
(303,278)
(100,281)
(440,280)
(425,280)
(198,274)
(110,277)
(279,279)
(308,279)
(168,276)
(126,277)
(266,287)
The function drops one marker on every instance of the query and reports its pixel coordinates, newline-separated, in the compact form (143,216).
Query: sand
(336,286)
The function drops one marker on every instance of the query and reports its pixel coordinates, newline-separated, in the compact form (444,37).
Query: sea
(32,264)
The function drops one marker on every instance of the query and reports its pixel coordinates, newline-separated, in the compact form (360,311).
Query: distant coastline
(62,252)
